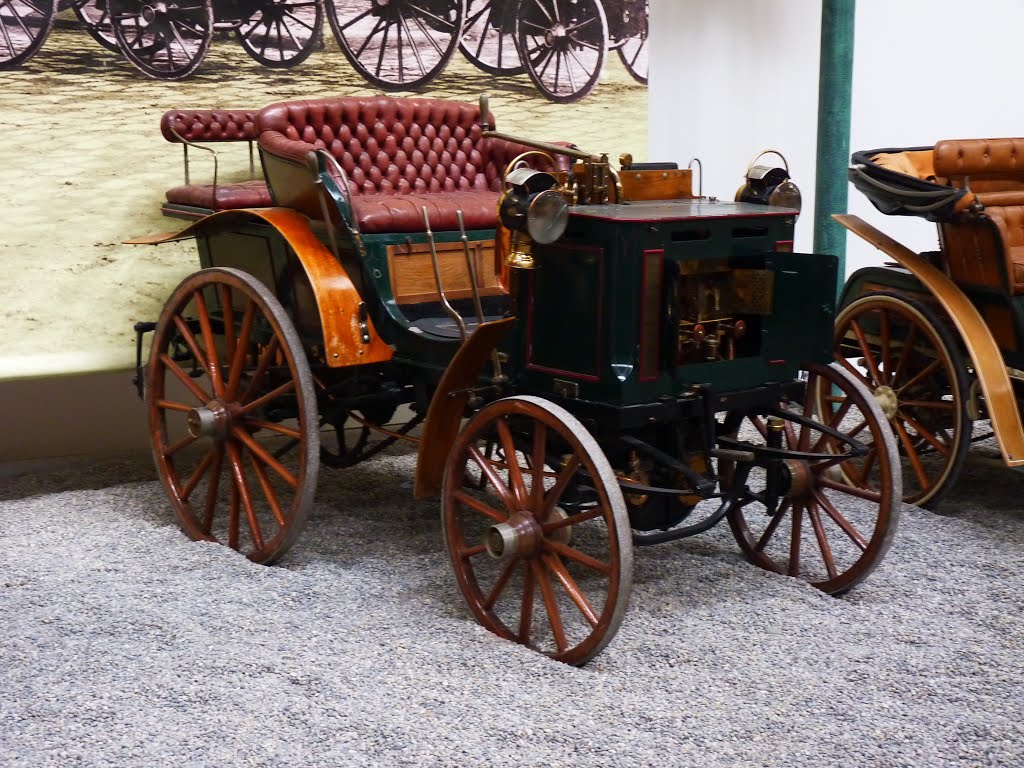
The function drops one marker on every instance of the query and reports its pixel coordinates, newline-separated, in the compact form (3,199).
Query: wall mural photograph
(85,83)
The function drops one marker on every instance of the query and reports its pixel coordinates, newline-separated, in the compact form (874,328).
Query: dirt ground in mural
(83,167)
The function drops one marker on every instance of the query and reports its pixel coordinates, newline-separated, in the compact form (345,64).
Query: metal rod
(477,305)
(579,154)
(448,308)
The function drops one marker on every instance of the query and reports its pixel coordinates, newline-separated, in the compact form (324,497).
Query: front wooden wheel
(900,351)
(232,413)
(537,529)
(827,521)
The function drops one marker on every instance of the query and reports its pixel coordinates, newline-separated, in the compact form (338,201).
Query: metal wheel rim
(207,475)
(612,520)
(755,532)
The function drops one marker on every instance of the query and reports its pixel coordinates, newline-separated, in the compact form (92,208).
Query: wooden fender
(337,299)
(449,403)
(985,353)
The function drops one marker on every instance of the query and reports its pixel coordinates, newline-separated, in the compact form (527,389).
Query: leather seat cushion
(376,214)
(244,194)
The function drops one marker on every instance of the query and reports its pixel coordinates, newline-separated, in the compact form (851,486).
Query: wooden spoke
(241,345)
(823,545)
(495,480)
(911,453)
(265,359)
(886,366)
(841,520)
(170,405)
(574,554)
(538,457)
(515,472)
(925,433)
(773,526)
(502,581)
(526,607)
(557,567)
(212,489)
(271,427)
(233,511)
(212,364)
(473,551)
(268,491)
(269,397)
(565,476)
(908,344)
(260,452)
(928,370)
(550,606)
(228,310)
(576,519)
(198,392)
(481,507)
(197,475)
(193,346)
(184,442)
(795,538)
(866,352)
(242,485)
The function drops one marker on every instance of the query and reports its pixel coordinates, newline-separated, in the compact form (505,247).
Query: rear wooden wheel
(900,351)
(835,518)
(232,412)
(543,557)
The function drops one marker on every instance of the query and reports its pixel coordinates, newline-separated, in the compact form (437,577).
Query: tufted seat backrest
(992,168)
(203,125)
(388,145)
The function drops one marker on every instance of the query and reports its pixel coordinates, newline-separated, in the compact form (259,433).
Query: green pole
(835,82)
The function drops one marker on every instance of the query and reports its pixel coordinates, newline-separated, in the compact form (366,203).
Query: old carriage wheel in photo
(829,515)
(24,26)
(232,413)
(562,44)
(95,17)
(628,28)
(488,37)
(167,41)
(282,33)
(909,360)
(397,44)
(537,530)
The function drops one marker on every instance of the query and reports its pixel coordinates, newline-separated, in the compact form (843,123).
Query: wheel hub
(520,536)
(212,420)
(555,35)
(799,480)
(151,12)
(887,400)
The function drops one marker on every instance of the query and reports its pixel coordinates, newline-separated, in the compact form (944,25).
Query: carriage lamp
(534,211)
(769,184)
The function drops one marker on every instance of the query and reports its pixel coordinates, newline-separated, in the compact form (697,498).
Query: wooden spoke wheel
(95,17)
(488,39)
(835,517)
(282,33)
(232,413)
(632,24)
(165,40)
(562,45)
(900,350)
(397,44)
(24,26)
(543,556)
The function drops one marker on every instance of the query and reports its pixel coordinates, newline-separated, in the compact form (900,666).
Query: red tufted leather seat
(400,155)
(201,126)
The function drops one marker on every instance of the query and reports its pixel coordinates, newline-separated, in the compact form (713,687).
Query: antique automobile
(587,359)
(937,336)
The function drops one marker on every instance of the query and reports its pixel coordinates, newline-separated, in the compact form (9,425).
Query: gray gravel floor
(124,644)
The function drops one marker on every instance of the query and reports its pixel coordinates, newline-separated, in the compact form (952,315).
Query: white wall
(733,77)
